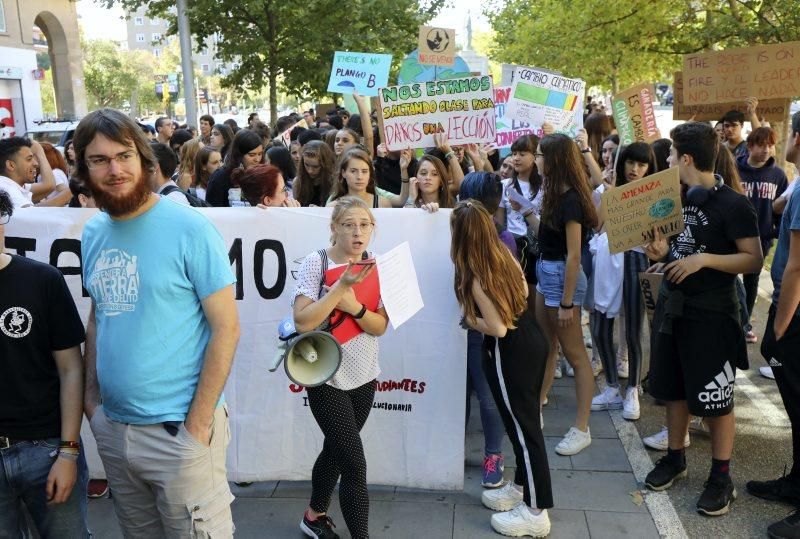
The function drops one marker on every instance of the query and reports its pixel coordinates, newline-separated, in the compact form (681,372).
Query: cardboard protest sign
(508,130)
(762,71)
(285,137)
(463,109)
(360,71)
(650,283)
(322,109)
(538,96)
(772,110)
(436,46)
(635,116)
(634,209)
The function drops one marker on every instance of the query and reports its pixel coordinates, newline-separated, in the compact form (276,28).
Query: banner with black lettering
(415,434)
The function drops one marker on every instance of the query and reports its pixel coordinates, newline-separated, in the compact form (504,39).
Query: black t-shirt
(37,317)
(713,228)
(553,242)
(388,173)
(218,186)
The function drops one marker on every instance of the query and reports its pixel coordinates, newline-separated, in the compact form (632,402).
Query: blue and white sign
(360,71)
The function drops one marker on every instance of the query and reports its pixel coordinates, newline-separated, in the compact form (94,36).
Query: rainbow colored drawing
(543,96)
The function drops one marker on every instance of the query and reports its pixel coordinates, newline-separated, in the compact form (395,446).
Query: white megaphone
(310,359)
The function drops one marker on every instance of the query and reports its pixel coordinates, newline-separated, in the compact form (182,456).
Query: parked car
(56,132)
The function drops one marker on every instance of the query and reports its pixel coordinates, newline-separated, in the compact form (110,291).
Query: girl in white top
(341,406)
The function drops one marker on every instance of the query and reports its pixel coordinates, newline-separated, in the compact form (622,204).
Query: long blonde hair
(188,153)
(478,253)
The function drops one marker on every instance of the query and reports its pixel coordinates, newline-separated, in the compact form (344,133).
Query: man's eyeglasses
(102,162)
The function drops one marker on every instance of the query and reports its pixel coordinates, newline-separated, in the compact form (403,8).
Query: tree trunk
(273,95)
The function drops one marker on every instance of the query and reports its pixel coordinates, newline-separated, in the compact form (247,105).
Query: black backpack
(194,201)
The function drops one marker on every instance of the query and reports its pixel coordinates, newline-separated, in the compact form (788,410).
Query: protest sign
(286,136)
(538,96)
(634,115)
(762,71)
(508,130)
(423,362)
(772,110)
(463,109)
(632,211)
(361,71)
(650,283)
(436,46)
(322,109)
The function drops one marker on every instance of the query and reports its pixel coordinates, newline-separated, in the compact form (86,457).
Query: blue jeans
(23,479)
(493,428)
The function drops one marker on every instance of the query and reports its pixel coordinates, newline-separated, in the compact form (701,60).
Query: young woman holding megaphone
(341,406)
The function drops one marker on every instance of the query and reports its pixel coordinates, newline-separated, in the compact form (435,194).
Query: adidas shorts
(697,363)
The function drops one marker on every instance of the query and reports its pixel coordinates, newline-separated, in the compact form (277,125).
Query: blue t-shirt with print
(790,222)
(147,277)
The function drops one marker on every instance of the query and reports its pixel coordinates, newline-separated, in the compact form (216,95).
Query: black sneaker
(787,528)
(321,528)
(717,497)
(777,490)
(662,476)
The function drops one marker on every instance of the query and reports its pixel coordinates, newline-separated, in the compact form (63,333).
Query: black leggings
(515,379)
(341,415)
(602,328)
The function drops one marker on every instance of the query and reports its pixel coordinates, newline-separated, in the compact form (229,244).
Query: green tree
(615,46)
(109,78)
(292,43)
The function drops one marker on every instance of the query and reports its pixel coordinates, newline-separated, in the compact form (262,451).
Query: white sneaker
(557,373)
(660,440)
(766,372)
(568,368)
(630,408)
(504,498)
(609,399)
(597,366)
(622,367)
(546,401)
(521,522)
(574,442)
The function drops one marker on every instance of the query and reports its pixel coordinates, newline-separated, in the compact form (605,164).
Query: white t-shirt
(20,198)
(790,188)
(515,222)
(176,195)
(61,179)
(359,354)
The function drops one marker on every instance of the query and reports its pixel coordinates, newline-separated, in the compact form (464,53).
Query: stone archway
(65,58)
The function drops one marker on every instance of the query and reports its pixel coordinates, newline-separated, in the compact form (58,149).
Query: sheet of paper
(399,285)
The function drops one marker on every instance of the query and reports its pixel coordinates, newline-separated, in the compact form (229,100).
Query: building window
(138,21)
(2,18)
(139,38)
(205,68)
(155,22)
(155,36)
(157,52)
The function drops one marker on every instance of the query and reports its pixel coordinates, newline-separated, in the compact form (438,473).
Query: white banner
(415,434)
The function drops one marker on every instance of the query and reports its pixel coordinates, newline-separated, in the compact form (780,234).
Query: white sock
(517,487)
(534,511)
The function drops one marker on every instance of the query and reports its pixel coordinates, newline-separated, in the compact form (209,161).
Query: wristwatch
(360,314)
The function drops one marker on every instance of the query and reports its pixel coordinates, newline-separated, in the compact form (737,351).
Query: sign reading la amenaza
(463,109)
(633,210)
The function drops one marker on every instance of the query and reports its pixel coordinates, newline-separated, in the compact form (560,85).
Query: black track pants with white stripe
(515,378)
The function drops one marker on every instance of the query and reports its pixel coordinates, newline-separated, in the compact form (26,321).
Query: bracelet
(586,150)
(570,306)
(409,205)
(449,155)
(527,212)
(68,456)
(404,181)
(66,444)
(360,314)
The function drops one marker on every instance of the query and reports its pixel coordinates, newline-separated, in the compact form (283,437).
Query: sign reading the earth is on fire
(437,46)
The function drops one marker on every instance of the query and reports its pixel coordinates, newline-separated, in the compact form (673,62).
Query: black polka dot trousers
(340,415)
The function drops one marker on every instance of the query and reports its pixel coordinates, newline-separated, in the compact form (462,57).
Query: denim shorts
(550,274)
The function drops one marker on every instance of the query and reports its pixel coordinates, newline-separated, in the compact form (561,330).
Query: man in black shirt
(41,399)
(698,341)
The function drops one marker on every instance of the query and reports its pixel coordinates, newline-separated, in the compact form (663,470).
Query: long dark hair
(725,166)
(528,143)
(340,188)
(305,190)
(227,136)
(641,152)
(282,158)
(243,143)
(445,198)
(201,176)
(564,167)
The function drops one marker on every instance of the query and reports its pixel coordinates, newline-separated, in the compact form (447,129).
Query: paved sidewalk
(595,493)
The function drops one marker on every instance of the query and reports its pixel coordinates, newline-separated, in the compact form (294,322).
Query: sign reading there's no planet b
(360,71)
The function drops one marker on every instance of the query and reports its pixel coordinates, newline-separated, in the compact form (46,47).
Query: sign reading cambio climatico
(463,109)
